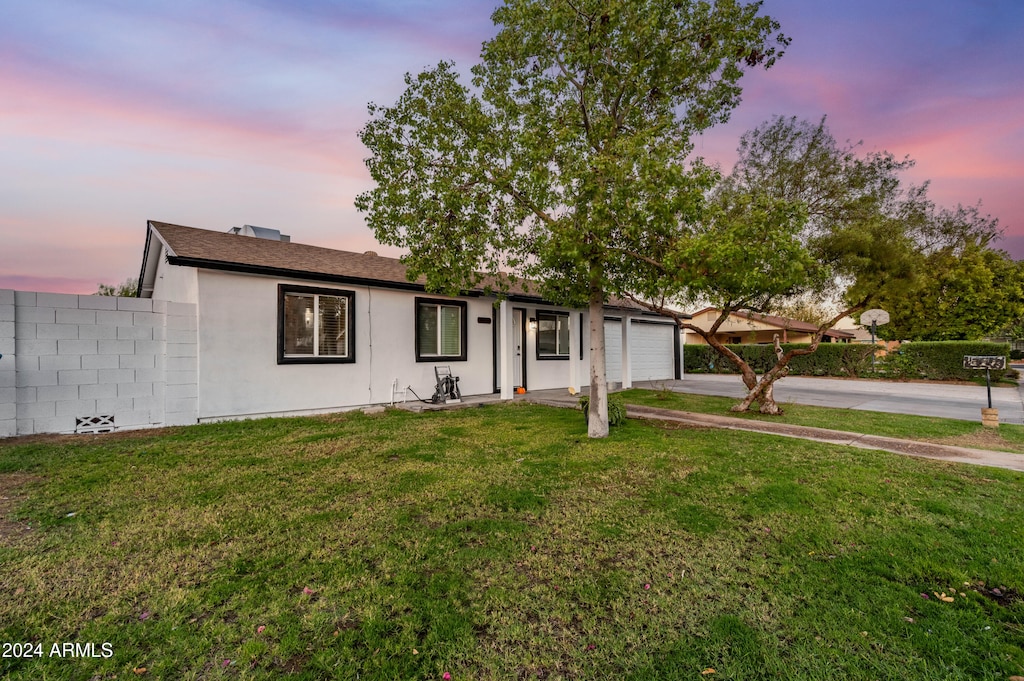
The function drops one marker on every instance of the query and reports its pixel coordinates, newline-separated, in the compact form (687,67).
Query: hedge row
(830,359)
(932,360)
(941,360)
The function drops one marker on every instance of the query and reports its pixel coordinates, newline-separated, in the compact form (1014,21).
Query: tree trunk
(597,420)
(763,391)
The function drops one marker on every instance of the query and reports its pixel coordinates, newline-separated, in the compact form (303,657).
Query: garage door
(613,350)
(652,353)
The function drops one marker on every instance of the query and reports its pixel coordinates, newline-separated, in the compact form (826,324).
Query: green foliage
(569,157)
(925,360)
(830,359)
(798,215)
(571,151)
(616,409)
(809,310)
(944,360)
(963,292)
(898,364)
(129,288)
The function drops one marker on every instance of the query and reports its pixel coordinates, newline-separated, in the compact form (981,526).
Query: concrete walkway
(978,457)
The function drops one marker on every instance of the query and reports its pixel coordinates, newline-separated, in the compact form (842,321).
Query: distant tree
(807,309)
(964,292)
(128,288)
(568,160)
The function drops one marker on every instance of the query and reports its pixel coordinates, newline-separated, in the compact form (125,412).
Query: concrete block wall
(76,363)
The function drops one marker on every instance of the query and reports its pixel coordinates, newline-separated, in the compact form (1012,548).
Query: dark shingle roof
(223,250)
(234,252)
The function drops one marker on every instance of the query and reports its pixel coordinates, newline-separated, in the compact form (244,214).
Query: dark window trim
(464,332)
(536,340)
(283,290)
(494,350)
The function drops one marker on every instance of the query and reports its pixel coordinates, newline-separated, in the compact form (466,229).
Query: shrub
(939,360)
(616,409)
(944,360)
(830,359)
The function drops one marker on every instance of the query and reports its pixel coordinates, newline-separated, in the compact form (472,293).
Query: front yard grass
(501,543)
(1007,438)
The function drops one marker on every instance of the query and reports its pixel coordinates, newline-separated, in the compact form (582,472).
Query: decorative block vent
(95,424)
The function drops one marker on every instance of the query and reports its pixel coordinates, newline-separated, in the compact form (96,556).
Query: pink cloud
(55,108)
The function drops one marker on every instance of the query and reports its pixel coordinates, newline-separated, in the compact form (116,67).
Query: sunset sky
(213,115)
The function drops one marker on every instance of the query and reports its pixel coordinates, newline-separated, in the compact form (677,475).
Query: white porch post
(574,350)
(627,369)
(506,356)
(682,352)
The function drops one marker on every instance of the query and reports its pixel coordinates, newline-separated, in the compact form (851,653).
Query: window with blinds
(315,325)
(440,330)
(552,335)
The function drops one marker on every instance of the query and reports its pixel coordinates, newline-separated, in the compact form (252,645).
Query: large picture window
(440,330)
(315,325)
(552,335)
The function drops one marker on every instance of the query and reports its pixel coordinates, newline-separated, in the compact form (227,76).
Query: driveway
(924,399)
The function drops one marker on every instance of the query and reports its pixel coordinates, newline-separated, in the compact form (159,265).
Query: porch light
(533,324)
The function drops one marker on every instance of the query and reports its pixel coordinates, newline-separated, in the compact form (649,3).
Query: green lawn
(500,543)
(1008,437)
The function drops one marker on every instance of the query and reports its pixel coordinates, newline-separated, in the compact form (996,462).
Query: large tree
(965,291)
(800,216)
(566,162)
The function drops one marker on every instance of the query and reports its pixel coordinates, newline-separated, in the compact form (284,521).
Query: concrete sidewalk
(927,450)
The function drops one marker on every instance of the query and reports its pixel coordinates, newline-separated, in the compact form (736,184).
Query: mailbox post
(989,416)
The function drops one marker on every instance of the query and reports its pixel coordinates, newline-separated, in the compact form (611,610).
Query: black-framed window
(440,330)
(552,335)
(315,325)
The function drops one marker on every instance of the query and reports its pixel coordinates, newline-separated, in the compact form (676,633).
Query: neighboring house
(753,327)
(850,325)
(287,328)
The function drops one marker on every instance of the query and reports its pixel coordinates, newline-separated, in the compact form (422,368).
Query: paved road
(925,399)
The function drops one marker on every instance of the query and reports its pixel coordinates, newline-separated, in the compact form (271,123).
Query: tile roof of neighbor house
(783,322)
(234,252)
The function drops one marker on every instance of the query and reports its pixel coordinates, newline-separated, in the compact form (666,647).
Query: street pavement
(924,399)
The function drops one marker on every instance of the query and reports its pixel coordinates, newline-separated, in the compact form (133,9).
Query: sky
(219,114)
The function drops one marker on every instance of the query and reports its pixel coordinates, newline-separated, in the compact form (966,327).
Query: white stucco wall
(238,371)
(545,374)
(174,282)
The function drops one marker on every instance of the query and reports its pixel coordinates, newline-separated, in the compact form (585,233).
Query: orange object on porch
(520,390)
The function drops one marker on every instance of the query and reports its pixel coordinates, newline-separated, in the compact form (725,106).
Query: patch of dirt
(293,665)
(1000,594)
(676,425)
(987,438)
(79,438)
(11,495)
